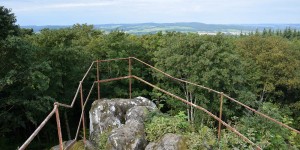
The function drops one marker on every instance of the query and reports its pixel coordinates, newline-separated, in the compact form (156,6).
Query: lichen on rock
(169,141)
(123,119)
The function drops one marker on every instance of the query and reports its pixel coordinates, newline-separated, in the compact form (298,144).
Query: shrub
(159,125)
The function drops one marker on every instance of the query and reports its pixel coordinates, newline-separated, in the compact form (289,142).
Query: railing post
(98,79)
(220,116)
(61,147)
(129,73)
(82,109)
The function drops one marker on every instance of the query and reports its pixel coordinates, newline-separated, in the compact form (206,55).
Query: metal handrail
(201,108)
(130,76)
(57,104)
(37,130)
(55,110)
(220,93)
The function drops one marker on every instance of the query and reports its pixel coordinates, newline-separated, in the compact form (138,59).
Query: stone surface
(150,146)
(123,119)
(138,113)
(78,145)
(169,141)
(65,144)
(131,136)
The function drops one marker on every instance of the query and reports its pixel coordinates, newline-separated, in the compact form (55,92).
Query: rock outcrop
(169,141)
(123,119)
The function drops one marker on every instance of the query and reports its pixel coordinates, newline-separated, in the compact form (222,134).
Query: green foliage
(260,69)
(275,62)
(207,60)
(78,146)
(23,84)
(266,133)
(229,141)
(103,141)
(202,139)
(7,23)
(159,125)
(295,108)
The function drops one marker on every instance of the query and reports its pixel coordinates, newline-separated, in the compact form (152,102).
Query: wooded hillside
(260,69)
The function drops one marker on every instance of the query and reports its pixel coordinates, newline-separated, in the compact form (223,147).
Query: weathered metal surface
(61,147)
(55,109)
(201,108)
(230,98)
(108,60)
(129,74)
(220,116)
(37,130)
(82,109)
(263,115)
(113,79)
(98,77)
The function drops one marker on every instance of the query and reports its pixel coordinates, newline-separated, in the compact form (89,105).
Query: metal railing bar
(56,104)
(86,73)
(129,74)
(82,115)
(108,60)
(201,108)
(76,94)
(261,114)
(98,78)
(87,98)
(37,130)
(70,145)
(113,79)
(61,146)
(230,98)
(174,78)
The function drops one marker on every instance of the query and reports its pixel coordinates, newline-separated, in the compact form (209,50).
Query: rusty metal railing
(56,111)
(82,102)
(221,95)
(200,108)
(130,77)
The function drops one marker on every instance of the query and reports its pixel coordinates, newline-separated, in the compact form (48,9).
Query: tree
(7,23)
(275,62)
(269,135)
(209,61)
(64,50)
(23,82)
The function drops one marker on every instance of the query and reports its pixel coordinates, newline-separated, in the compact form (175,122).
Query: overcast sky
(68,12)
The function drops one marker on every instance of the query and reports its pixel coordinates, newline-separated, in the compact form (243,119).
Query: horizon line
(166,23)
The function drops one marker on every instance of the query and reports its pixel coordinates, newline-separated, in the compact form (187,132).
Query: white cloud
(132,11)
(42,6)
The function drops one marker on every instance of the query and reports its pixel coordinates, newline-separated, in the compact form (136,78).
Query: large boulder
(131,136)
(75,145)
(65,144)
(169,141)
(123,119)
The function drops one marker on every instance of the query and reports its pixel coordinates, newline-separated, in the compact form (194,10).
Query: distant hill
(201,28)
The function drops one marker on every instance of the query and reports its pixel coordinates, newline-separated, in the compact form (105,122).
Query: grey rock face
(124,119)
(169,141)
(151,146)
(77,145)
(131,136)
(65,144)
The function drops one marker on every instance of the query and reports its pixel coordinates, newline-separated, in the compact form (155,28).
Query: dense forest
(260,69)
